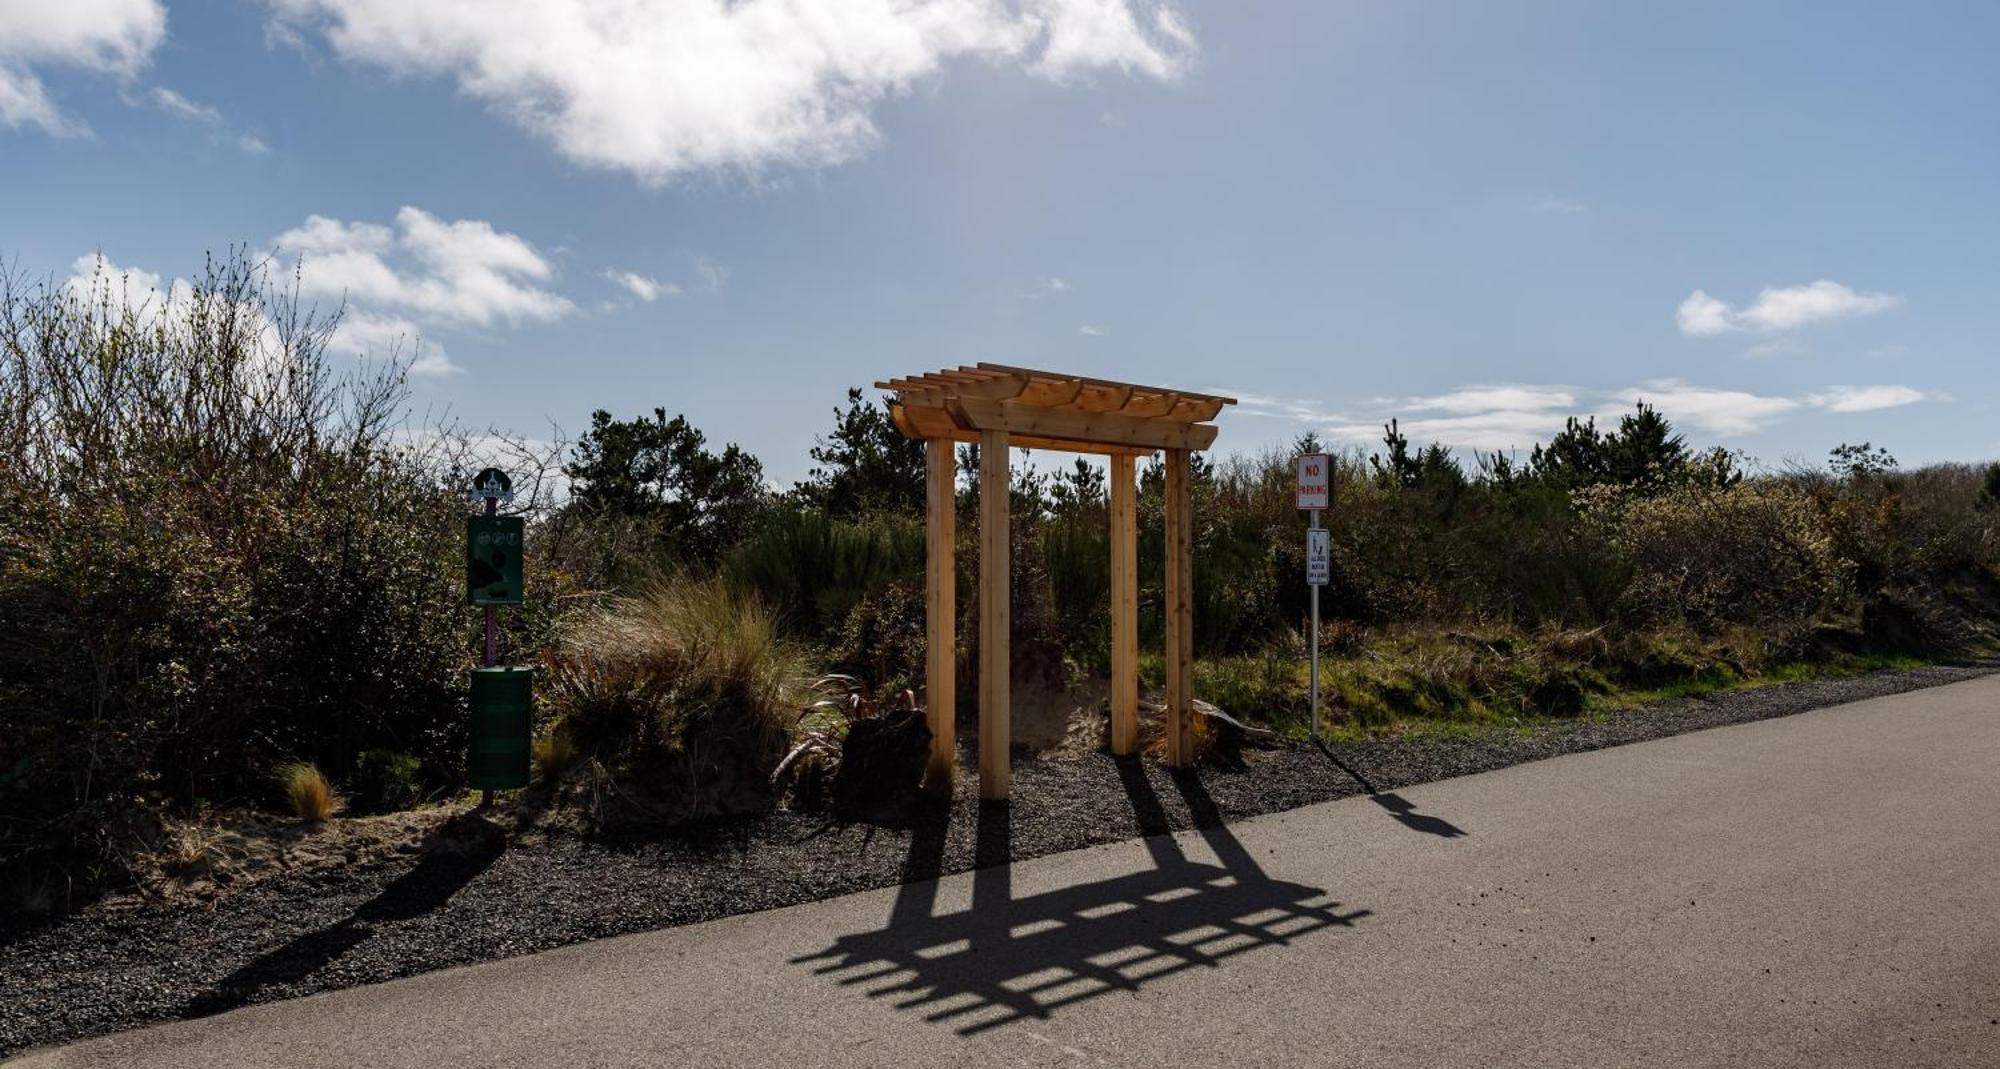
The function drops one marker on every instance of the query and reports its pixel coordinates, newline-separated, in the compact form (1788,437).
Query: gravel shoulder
(488,887)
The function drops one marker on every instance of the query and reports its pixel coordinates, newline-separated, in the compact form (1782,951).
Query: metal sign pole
(1314,641)
(1314,493)
(492,645)
(492,630)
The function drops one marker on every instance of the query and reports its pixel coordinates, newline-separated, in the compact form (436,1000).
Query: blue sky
(1775,221)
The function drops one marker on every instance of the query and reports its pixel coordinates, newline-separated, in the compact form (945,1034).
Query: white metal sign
(1315,481)
(1319,564)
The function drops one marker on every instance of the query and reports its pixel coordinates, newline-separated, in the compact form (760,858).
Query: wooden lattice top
(1051,410)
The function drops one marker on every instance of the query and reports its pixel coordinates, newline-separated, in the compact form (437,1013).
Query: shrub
(885,638)
(812,569)
(307,792)
(553,753)
(1756,554)
(217,550)
(386,780)
(685,689)
(1560,692)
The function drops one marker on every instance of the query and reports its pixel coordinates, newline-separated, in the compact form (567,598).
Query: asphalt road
(1819,890)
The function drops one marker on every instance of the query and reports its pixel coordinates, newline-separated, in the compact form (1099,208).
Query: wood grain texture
(1124,606)
(941,601)
(1180,611)
(995,567)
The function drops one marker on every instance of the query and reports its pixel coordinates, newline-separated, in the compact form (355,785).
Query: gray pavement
(1819,890)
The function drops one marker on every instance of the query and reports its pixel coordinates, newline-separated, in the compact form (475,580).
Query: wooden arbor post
(1180,612)
(1124,605)
(996,709)
(1006,407)
(941,604)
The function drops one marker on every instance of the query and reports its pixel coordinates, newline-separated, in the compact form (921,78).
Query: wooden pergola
(1002,408)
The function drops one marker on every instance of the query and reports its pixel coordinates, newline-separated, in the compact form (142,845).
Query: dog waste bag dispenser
(503,714)
(502,697)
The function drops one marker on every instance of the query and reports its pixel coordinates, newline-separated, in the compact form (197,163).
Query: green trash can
(503,707)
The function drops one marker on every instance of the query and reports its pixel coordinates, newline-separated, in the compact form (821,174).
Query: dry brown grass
(1201,735)
(308,791)
(687,686)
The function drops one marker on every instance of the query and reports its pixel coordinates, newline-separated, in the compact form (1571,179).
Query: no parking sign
(1315,482)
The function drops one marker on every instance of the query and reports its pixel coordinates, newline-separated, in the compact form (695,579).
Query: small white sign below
(1319,557)
(1315,481)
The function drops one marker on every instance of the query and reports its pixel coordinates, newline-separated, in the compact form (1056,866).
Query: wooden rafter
(1052,410)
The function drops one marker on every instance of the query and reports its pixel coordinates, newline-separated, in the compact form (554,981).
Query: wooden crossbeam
(1114,428)
(1194,409)
(1150,406)
(1095,398)
(919,421)
(1031,372)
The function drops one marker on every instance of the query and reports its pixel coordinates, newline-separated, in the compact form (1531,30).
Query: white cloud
(1795,306)
(462,272)
(403,282)
(113,37)
(1781,308)
(360,332)
(640,286)
(363,333)
(1865,398)
(663,89)
(1474,399)
(1504,416)
(1723,412)
(1090,330)
(1702,314)
(97,279)
(1266,406)
(1086,35)
(182,108)
(1518,416)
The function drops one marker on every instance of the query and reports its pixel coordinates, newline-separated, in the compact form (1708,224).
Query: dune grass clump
(309,793)
(688,688)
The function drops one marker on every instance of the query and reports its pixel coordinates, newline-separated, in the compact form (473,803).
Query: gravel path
(470,898)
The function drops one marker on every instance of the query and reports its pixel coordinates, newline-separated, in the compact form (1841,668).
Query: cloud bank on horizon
(1516,416)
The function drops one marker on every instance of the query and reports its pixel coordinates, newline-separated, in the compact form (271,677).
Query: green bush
(386,780)
(1754,554)
(812,569)
(884,638)
(216,552)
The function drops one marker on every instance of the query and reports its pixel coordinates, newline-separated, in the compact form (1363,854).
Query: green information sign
(493,559)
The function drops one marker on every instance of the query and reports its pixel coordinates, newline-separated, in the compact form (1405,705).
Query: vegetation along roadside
(229,583)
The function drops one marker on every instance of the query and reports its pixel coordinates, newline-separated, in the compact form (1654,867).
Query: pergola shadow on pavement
(1006,959)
